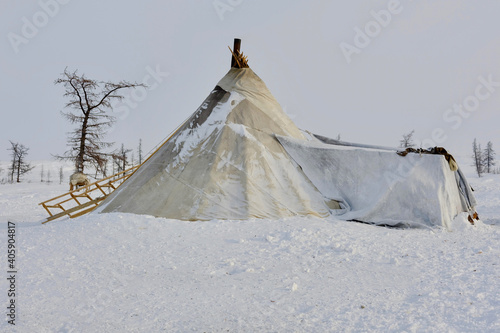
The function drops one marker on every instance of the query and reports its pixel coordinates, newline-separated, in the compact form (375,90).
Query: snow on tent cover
(225,163)
(239,156)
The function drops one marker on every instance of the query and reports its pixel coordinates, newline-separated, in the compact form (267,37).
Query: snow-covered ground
(128,273)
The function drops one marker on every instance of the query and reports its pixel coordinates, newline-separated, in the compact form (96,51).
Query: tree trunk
(81,153)
(18,170)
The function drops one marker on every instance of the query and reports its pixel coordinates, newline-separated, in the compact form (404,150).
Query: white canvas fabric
(379,186)
(224,163)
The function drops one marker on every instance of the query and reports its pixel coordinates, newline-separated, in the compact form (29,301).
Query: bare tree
(104,169)
(139,151)
(19,167)
(489,157)
(477,156)
(42,174)
(88,102)
(61,175)
(12,169)
(103,166)
(120,158)
(407,141)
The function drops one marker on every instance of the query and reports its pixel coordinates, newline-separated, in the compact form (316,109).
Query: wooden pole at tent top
(236,50)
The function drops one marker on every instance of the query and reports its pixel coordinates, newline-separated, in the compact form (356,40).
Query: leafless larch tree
(120,158)
(489,158)
(89,101)
(407,141)
(477,157)
(18,166)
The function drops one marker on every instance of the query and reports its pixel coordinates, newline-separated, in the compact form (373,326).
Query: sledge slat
(74,197)
(47,209)
(74,209)
(88,210)
(100,188)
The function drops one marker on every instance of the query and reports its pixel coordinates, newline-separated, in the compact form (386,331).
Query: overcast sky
(367,70)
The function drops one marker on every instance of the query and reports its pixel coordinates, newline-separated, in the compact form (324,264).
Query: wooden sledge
(84,199)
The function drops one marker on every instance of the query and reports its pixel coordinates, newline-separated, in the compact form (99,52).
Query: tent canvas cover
(377,185)
(224,162)
(240,156)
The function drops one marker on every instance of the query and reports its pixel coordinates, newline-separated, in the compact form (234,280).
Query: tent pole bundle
(239,156)
(238,60)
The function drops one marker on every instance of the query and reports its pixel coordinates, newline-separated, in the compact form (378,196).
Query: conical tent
(239,156)
(225,163)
